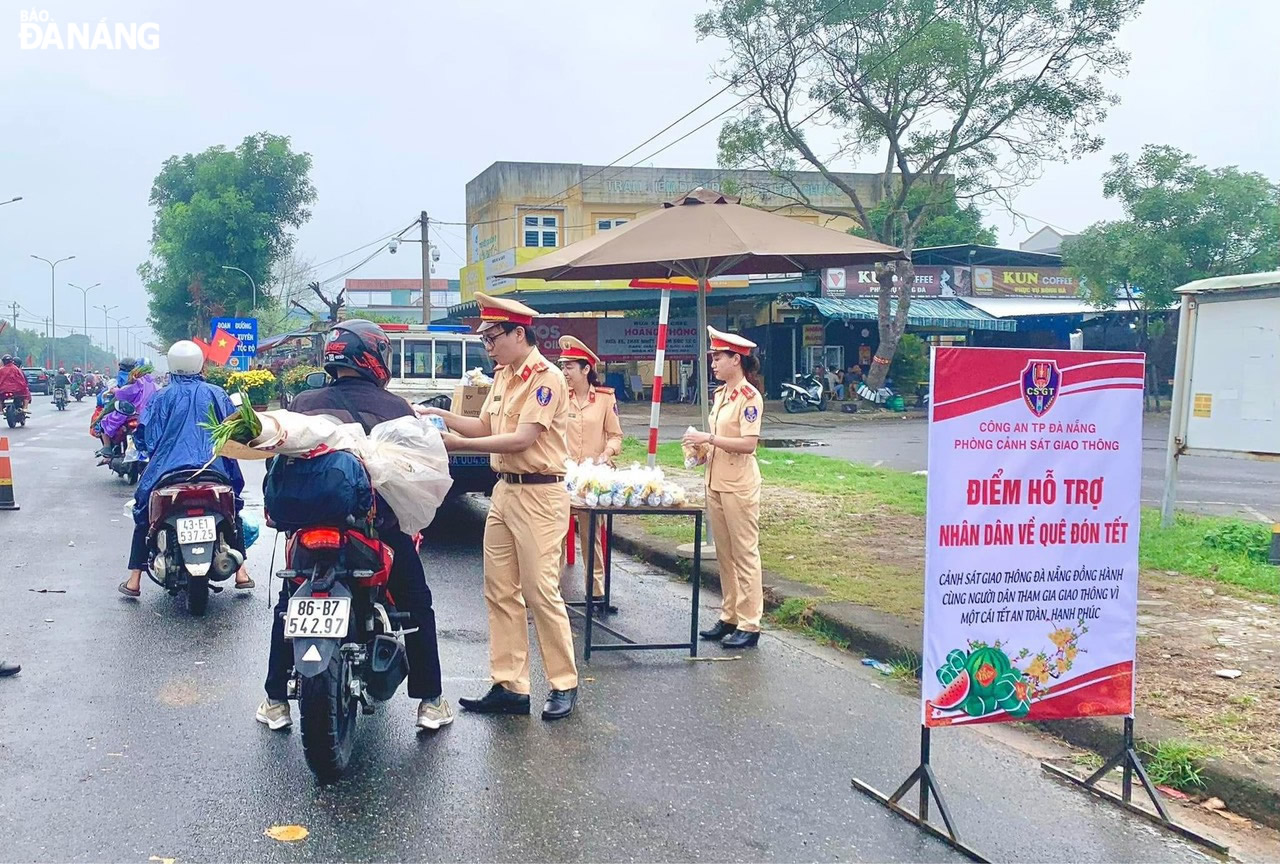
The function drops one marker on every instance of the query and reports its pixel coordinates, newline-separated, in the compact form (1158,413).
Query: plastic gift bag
(409,468)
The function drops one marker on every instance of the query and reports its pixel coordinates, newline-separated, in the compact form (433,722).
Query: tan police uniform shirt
(736,412)
(532,392)
(593,423)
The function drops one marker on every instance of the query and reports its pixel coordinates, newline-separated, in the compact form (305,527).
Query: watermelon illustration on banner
(1031,553)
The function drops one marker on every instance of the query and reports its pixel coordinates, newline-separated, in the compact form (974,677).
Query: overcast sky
(400,107)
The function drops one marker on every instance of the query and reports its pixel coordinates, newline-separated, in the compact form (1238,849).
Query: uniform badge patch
(543,395)
(751,413)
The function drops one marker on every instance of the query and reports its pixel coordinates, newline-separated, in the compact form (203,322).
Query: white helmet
(185,358)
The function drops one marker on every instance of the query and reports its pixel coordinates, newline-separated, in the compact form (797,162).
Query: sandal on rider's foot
(124,589)
(245,585)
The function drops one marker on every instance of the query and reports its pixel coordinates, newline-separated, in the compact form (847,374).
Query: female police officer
(522,423)
(733,488)
(594,431)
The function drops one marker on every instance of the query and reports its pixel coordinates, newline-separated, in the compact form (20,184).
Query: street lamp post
(85,304)
(106,332)
(11,200)
(119,344)
(251,282)
(53,301)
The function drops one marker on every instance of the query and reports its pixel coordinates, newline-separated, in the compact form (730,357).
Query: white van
(427,363)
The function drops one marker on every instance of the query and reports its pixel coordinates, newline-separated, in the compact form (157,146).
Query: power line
(559,198)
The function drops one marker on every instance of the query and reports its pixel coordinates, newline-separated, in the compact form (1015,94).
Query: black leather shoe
(7,669)
(499,700)
(559,704)
(741,639)
(718,632)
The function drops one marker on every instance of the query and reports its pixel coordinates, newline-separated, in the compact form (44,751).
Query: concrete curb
(1242,787)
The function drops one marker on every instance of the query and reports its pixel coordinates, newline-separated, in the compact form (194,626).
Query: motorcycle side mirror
(316,380)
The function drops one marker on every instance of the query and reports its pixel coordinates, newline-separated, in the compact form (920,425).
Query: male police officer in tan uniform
(594,432)
(522,423)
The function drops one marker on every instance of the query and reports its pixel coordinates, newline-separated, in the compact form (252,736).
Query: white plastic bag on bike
(409,468)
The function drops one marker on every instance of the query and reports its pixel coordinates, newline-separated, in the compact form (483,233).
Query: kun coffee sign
(843,282)
(1023,282)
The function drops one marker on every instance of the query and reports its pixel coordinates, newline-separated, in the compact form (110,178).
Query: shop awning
(940,313)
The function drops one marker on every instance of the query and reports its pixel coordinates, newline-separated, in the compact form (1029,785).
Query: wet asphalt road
(130,732)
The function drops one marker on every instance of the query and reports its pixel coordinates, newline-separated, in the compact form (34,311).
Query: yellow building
(517,211)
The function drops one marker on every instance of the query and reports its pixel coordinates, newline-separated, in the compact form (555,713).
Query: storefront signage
(863,282)
(1023,282)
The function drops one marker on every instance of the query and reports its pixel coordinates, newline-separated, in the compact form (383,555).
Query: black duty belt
(526,479)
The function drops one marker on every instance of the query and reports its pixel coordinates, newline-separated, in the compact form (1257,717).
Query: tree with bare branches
(954,99)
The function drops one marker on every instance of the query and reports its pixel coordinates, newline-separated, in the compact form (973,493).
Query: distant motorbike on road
(807,394)
(77,392)
(14,414)
(193,535)
(60,398)
(348,647)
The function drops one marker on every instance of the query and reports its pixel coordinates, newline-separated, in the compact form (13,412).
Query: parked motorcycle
(348,647)
(808,393)
(193,534)
(60,398)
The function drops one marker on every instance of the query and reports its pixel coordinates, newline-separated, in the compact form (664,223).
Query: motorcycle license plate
(198,529)
(317,616)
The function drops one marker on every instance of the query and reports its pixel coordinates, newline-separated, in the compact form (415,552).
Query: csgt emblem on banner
(1041,382)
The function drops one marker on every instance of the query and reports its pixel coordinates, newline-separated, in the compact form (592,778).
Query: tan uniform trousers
(735,525)
(523,539)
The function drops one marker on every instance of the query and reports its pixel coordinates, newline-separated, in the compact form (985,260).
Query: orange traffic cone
(7,501)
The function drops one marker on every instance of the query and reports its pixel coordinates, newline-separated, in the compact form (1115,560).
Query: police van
(427,363)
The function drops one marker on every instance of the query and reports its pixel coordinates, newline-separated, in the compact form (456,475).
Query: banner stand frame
(923,774)
(1128,758)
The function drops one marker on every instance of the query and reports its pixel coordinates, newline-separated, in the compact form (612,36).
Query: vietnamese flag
(220,348)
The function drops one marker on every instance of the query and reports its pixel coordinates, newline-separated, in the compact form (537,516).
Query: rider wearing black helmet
(357,356)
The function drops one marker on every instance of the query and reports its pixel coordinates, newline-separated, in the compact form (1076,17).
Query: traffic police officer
(733,488)
(522,423)
(594,430)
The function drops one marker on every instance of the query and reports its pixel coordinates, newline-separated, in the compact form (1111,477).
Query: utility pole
(426,268)
(53,301)
(14,308)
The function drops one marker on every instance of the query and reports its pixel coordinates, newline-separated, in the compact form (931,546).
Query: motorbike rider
(357,357)
(170,432)
(13,382)
(61,380)
(77,378)
(137,393)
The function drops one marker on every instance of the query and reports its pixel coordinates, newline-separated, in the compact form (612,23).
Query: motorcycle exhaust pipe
(226,562)
(388,666)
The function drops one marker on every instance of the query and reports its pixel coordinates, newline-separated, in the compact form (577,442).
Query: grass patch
(796,614)
(1087,761)
(905,668)
(1211,547)
(1176,763)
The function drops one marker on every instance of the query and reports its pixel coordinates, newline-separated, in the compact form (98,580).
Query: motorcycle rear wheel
(197,596)
(328,720)
(791,406)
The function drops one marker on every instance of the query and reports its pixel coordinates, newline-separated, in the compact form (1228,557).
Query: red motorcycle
(348,648)
(194,534)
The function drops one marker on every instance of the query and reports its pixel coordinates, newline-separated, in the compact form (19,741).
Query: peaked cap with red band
(498,310)
(721,341)
(572,348)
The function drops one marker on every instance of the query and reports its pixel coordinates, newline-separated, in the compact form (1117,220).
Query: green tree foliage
(70,350)
(222,207)
(1182,222)
(945,223)
(966,98)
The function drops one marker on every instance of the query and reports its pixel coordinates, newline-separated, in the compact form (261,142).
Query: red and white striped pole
(659,361)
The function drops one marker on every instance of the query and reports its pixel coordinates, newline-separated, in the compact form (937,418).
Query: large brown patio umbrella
(701,235)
